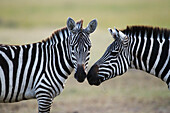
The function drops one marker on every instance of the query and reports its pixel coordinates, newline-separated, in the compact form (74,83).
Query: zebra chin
(93,77)
(80,74)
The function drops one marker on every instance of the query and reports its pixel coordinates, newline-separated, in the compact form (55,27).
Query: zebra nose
(92,76)
(80,74)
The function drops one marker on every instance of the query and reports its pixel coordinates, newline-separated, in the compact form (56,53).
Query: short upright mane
(132,30)
(56,32)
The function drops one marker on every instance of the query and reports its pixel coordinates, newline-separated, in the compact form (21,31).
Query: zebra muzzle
(93,77)
(80,74)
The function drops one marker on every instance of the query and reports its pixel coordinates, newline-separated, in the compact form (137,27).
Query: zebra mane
(56,32)
(133,30)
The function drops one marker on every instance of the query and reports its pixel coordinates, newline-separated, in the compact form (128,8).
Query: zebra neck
(58,45)
(150,52)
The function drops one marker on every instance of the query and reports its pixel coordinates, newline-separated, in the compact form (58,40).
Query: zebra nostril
(80,74)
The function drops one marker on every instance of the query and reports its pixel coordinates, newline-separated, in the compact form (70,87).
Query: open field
(135,92)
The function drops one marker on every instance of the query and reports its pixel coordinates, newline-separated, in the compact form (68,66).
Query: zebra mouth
(93,77)
(95,80)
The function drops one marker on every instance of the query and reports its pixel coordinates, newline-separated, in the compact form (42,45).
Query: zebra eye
(114,53)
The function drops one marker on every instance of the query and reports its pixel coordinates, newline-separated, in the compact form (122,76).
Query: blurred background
(28,21)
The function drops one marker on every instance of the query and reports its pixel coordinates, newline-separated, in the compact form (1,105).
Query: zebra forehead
(79,24)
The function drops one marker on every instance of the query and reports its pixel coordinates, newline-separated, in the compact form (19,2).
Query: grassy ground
(135,92)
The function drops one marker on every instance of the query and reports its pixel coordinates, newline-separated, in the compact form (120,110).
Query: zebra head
(113,62)
(80,46)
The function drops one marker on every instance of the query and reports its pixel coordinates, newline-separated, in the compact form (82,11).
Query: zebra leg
(44,96)
(44,102)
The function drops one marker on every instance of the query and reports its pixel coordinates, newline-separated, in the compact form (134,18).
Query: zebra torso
(149,50)
(29,69)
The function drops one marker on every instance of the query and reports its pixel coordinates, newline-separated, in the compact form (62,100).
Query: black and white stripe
(139,47)
(39,70)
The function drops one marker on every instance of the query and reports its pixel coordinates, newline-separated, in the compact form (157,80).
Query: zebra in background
(139,47)
(39,70)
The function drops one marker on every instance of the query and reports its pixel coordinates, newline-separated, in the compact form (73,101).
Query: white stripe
(40,68)
(60,66)
(3,84)
(167,76)
(49,76)
(14,47)
(12,52)
(115,68)
(126,61)
(20,61)
(61,36)
(56,38)
(60,78)
(28,94)
(133,43)
(122,66)
(166,62)
(64,57)
(143,49)
(137,49)
(10,66)
(158,56)
(150,51)
(25,72)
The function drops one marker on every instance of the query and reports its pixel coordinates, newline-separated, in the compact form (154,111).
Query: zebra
(140,47)
(39,70)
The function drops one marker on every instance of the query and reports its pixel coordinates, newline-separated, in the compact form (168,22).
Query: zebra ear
(117,34)
(113,33)
(70,24)
(122,35)
(91,26)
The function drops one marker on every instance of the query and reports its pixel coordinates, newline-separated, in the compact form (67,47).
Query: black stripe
(166,70)
(147,48)
(57,64)
(46,87)
(61,57)
(56,76)
(33,55)
(50,73)
(25,58)
(15,64)
(155,49)
(1,86)
(135,35)
(40,47)
(5,68)
(140,48)
(163,56)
